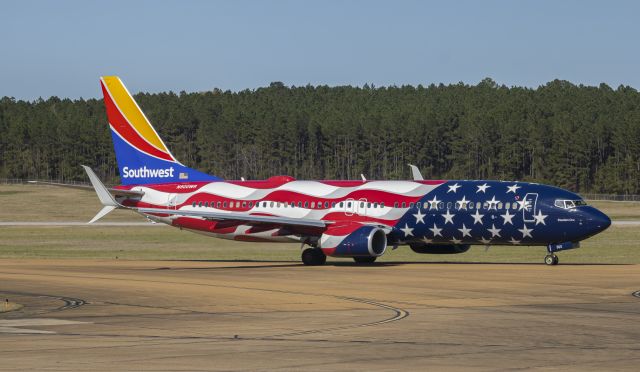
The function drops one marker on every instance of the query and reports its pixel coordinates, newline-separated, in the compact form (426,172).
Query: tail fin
(142,156)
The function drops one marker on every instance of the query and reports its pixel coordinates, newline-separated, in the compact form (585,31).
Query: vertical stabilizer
(143,158)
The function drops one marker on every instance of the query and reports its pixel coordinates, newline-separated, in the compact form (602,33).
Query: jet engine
(364,241)
(439,248)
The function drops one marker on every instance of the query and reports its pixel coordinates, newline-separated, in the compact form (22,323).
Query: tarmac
(213,315)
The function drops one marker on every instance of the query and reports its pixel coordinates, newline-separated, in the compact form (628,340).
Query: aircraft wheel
(551,259)
(365,260)
(313,257)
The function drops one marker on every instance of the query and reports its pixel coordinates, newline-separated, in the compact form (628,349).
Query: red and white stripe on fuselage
(362,201)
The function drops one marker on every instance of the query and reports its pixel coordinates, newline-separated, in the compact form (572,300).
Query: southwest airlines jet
(351,219)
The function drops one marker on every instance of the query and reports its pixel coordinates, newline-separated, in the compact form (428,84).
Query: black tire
(555,259)
(313,257)
(550,260)
(365,260)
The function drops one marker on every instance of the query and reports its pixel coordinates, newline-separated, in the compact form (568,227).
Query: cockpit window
(568,204)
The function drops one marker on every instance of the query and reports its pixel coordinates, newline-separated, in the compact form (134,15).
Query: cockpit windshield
(568,204)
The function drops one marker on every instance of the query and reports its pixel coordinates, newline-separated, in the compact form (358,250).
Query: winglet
(417,176)
(103,194)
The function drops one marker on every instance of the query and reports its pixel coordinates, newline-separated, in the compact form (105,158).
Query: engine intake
(366,241)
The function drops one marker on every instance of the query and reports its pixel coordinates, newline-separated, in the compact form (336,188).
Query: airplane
(357,219)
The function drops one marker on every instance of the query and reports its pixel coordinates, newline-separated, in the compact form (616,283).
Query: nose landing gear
(551,259)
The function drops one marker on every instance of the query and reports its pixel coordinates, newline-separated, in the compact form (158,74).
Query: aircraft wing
(112,191)
(243,217)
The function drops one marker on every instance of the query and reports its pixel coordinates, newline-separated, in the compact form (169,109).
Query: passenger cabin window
(200,204)
(395,205)
(333,204)
(194,204)
(382,205)
(224,204)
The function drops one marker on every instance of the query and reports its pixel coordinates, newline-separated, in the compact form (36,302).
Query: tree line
(583,138)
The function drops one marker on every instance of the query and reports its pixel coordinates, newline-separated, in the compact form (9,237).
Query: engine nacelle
(439,248)
(364,241)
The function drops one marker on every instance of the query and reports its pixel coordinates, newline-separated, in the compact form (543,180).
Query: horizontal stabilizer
(103,194)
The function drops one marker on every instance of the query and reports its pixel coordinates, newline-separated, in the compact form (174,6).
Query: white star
(493,203)
(407,230)
(485,241)
(419,217)
(453,188)
(482,188)
(427,240)
(477,217)
(494,232)
(436,231)
(462,203)
(455,241)
(526,232)
(513,188)
(433,204)
(540,218)
(448,217)
(507,217)
(513,241)
(465,231)
(522,204)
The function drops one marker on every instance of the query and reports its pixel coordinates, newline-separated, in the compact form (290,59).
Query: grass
(618,244)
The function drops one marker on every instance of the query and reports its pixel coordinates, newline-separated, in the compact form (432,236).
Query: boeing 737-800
(353,219)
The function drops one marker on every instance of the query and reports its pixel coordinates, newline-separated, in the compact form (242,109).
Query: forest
(583,138)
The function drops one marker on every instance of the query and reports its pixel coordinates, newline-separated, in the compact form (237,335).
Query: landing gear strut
(551,259)
(365,260)
(313,257)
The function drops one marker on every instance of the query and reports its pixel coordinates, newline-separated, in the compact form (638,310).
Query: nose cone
(597,221)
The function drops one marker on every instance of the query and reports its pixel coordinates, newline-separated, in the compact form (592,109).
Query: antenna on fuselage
(364,179)
(417,176)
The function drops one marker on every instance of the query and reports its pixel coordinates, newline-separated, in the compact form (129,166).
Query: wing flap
(285,221)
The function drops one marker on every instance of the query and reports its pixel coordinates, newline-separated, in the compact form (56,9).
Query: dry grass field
(31,203)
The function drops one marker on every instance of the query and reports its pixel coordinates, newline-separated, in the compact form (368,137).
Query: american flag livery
(356,219)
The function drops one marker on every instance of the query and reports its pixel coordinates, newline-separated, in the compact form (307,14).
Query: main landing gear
(551,259)
(313,257)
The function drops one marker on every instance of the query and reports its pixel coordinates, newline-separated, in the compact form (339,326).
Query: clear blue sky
(62,47)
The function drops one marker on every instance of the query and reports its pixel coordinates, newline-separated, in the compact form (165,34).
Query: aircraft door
(361,207)
(530,207)
(349,207)
(172,201)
